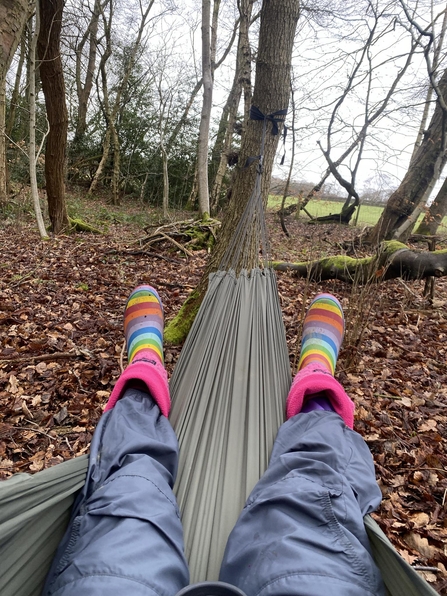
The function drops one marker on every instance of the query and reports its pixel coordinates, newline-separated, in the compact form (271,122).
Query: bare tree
(13,16)
(270,94)
(33,156)
(241,81)
(86,52)
(111,106)
(351,128)
(209,40)
(16,92)
(53,85)
(408,201)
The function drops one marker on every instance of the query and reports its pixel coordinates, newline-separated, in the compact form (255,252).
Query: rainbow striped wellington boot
(314,387)
(143,330)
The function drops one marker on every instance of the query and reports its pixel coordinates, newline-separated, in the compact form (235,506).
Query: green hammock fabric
(399,577)
(229,389)
(34,512)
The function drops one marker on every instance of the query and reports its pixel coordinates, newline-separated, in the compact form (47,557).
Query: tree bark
(205,118)
(392,260)
(13,16)
(83,90)
(420,175)
(271,93)
(32,129)
(242,80)
(435,214)
(53,85)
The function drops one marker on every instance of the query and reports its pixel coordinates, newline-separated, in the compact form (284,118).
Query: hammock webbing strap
(251,230)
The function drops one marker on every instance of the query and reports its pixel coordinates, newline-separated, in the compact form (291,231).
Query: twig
(34,430)
(177,244)
(144,252)
(54,356)
(23,279)
(122,356)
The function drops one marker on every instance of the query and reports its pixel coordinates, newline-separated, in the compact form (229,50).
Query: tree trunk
(32,129)
(116,164)
(102,163)
(15,96)
(242,80)
(420,175)
(111,109)
(271,93)
(205,118)
(434,216)
(83,90)
(53,85)
(393,259)
(13,16)
(164,156)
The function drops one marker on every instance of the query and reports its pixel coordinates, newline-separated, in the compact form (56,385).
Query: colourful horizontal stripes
(143,324)
(323,330)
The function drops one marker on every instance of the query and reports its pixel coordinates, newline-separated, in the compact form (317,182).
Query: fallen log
(392,260)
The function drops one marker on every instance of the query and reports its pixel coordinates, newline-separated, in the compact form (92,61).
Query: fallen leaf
(419,519)
(428,426)
(37,465)
(13,385)
(419,544)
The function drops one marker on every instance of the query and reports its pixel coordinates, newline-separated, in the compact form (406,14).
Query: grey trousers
(301,531)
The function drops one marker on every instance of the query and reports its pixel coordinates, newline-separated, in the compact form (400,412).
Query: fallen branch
(197,233)
(177,244)
(54,356)
(392,260)
(148,253)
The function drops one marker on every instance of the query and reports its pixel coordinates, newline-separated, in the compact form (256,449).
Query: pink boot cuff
(152,375)
(314,379)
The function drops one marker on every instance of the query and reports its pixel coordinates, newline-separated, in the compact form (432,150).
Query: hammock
(228,391)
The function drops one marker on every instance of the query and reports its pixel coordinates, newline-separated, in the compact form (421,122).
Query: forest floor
(61,307)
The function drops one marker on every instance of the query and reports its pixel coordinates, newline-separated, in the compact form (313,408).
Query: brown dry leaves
(61,305)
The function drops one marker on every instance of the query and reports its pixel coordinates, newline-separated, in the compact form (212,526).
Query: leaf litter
(61,307)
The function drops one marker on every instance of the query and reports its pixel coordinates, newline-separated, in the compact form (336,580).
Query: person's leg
(125,535)
(301,531)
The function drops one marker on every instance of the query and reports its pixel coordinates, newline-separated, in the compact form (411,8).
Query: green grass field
(368,215)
